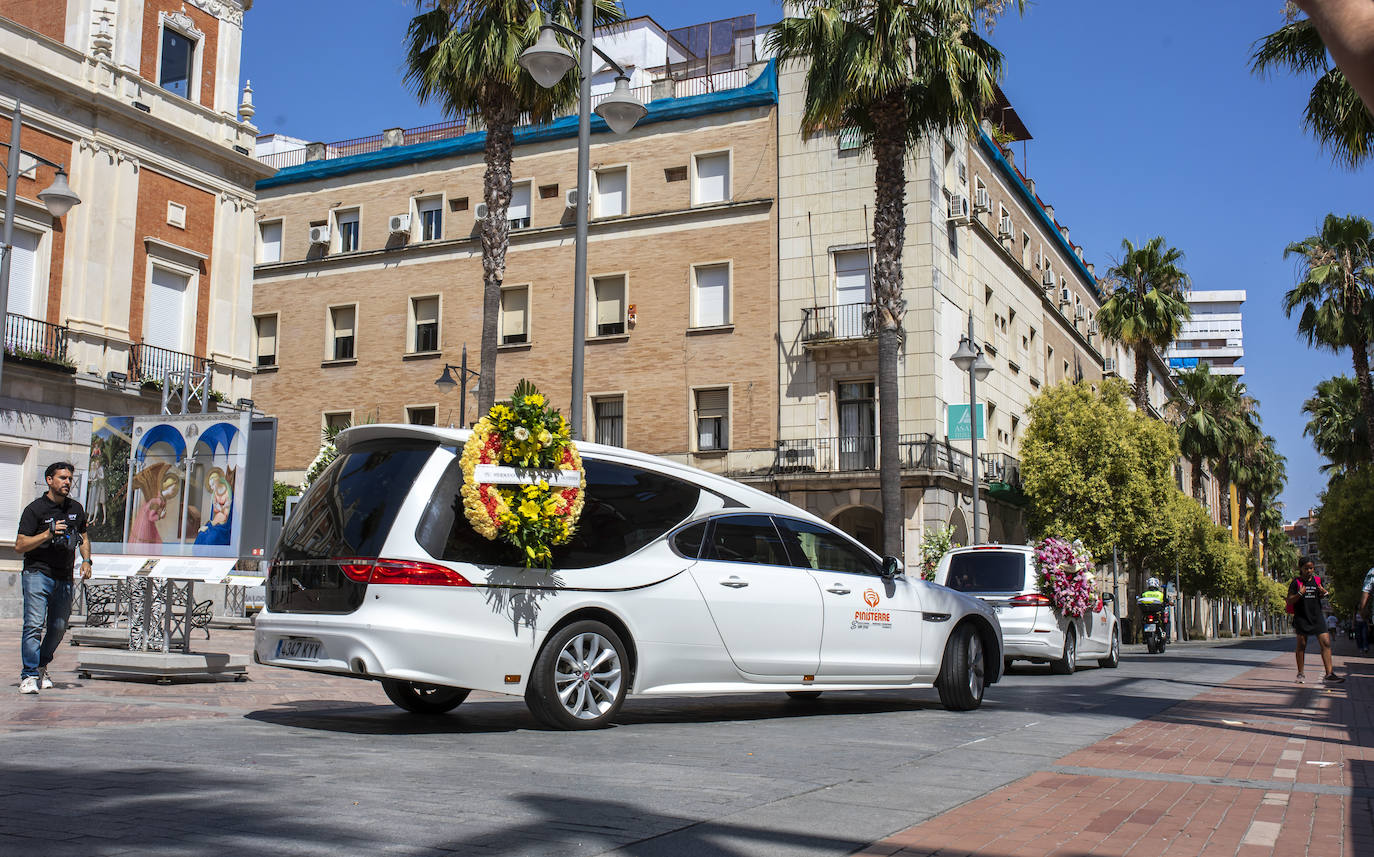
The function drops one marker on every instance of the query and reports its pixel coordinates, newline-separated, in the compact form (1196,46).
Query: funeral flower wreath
(1066,575)
(522,477)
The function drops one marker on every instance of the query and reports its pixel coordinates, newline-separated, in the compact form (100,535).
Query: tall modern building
(1213,335)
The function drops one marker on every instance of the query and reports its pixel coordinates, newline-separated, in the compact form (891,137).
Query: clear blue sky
(1145,117)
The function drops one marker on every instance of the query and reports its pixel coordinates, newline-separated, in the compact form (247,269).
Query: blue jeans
(47,606)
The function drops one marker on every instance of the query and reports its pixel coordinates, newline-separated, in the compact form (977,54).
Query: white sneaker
(28,684)
(44,680)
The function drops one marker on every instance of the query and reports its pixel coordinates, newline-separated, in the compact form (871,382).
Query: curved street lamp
(547,61)
(969,358)
(58,198)
(446,383)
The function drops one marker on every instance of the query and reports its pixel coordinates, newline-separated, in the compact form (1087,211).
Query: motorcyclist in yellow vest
(1153,599)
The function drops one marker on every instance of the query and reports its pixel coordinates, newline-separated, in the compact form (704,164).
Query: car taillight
(1030,599)
(401,571)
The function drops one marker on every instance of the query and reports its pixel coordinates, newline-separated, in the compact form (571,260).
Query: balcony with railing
(151,363)
(36,340)
(824,326)
(916,452)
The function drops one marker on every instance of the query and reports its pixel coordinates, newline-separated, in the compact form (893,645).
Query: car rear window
(625,508)
(987,571)
(349,509)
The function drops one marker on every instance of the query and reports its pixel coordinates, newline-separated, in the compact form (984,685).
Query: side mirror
(892,567)
(1108,598)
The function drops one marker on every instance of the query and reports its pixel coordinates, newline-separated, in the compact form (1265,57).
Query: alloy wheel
(975,666)
(587,676)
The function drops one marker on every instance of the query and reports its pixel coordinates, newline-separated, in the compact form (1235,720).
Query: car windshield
(987,571)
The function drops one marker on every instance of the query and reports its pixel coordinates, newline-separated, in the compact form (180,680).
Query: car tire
(1113,659)
(1067,662)
(963,672)
(424,698)
(804,695)
(580,678)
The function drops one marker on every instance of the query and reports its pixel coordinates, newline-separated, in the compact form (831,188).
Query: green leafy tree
(1347,507)
(280,491)
(1337,425)
(463,55)
(1335,114)
(896,71)
(1333,296)
(1096,470)
(1147,307)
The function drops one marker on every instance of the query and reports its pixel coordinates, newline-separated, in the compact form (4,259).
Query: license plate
(1149,628)
(298,648)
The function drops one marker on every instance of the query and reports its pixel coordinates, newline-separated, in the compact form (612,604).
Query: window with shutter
(518,212)
(164,313)
(23,271)
(426,334)
(610,192)
(610,305)
(713,408)
(712,182)
(514,309)
(348,230)
(271,242)
(12,499)
(431,218)
(712,299)
(342,321)
(609,414)
(853,291)
(267,340)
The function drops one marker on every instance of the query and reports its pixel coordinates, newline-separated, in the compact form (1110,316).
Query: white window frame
(725,425)
(329,338)
(18,495)
(729,176)
(501,315)
(182,24)
(262,245)
(592,314)
(325,415)
(412,323)
(729,265)
(590,414)
(257,340)
(189,309)
(596,191)
(417,219)
(533,195)
(336,230)
(429,406)
(42,261)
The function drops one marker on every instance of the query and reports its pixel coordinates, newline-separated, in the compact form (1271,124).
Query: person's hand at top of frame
(1347,30)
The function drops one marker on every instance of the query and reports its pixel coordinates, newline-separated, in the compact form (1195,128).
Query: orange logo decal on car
(870,598)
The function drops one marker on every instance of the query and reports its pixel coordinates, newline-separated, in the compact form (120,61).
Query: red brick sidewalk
(1260,766)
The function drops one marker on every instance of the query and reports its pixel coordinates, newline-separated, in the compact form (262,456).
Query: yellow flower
(536,399)
(544,437)
(529,509)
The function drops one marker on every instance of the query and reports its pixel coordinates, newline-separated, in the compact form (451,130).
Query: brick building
(369,279)
(150,273)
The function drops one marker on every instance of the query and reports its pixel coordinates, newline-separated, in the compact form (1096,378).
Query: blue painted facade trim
(763,91)
(1009,173)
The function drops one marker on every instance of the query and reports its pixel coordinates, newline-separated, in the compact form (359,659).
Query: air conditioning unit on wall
(570,198)
(399,223)
(958,206)
(1048,278)
(1109,366)
(981,200)
(319,235)
(479,211)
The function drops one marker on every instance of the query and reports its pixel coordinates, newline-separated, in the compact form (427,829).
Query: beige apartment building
(139,100)
(369,279)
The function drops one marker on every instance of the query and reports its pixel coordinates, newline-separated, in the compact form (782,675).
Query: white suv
(1004,577)
(677,581)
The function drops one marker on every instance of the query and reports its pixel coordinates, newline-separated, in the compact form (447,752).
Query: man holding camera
(50,530)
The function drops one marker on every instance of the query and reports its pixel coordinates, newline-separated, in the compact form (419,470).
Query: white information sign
(495,474)
(193,568)
(118,566)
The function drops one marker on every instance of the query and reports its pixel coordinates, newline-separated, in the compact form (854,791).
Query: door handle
(837,589)
(734,582)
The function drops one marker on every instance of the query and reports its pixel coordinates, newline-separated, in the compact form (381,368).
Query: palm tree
(1238,421)
(895,70)
(1198,410)
(1147,307)
(1335,114)
(1334,291)
(1336,425)
(464,55)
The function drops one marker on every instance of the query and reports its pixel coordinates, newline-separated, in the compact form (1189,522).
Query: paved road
(295,764)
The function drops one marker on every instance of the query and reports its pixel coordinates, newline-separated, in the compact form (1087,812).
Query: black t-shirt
(55,557)
(1307,611)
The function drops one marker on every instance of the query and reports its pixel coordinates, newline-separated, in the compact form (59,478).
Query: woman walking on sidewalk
(1305,594)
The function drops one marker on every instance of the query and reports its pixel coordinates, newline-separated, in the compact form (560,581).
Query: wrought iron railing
(31,337)
(915,452)
(839,322)
(150,363)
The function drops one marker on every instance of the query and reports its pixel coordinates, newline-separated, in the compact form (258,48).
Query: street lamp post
(970,359)
(547,62)
(58,198)
(446,383)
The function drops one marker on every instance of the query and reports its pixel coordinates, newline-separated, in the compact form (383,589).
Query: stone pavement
(1258,766)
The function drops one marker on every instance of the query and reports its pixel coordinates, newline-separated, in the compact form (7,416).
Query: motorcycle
(1154,627)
